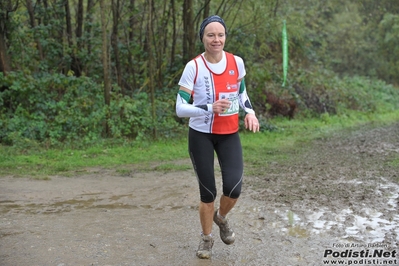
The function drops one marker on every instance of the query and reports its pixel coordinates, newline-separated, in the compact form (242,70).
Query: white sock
(220,215)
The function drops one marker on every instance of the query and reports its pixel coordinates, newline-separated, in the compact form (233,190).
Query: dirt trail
(340,194)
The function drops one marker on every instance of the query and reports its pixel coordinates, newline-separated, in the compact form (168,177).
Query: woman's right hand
(221,106)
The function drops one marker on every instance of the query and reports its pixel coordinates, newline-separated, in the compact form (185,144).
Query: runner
(214,82)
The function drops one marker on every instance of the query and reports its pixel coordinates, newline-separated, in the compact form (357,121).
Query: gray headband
(208,20)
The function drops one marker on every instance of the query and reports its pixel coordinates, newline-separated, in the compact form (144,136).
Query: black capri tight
(201,147)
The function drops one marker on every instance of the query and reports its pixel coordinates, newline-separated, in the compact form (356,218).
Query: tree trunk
(79,22)
(275,9)
(207,8)
(107,82)
(89,22)
(174,34)
(45,17)
(114,42)
(85,43)
(132,21)
(33,25)
(160,43)
(6,7)
(151,71)
(132,24)
(75,62)
(5,63)
(189,33)
(68,23)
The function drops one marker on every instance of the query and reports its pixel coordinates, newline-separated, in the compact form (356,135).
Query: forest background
(74,72)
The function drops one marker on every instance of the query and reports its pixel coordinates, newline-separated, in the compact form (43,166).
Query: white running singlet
(211,82)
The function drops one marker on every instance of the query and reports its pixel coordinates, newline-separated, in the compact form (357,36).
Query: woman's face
(214,37)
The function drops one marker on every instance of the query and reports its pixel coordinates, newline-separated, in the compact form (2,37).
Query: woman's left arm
(251,122)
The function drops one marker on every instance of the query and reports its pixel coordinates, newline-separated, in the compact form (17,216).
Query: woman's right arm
(185,109)
(183,106)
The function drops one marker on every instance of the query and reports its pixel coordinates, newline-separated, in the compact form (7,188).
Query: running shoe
(226,233)
(205,247)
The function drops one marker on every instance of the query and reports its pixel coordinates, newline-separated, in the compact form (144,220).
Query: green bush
(65,110)
(50,107)
(57,109)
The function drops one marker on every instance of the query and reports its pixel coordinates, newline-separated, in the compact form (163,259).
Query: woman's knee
(233,192)
(208,198)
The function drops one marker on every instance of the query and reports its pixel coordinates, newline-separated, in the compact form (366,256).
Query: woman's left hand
(251,123)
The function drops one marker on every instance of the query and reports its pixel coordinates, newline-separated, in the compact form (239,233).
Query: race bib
(234,104)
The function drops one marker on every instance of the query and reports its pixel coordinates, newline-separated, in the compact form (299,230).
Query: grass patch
(40,162)
(394,162)
(290,136)
(169,167)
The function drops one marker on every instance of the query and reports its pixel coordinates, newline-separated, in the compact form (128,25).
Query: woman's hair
(205,22)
